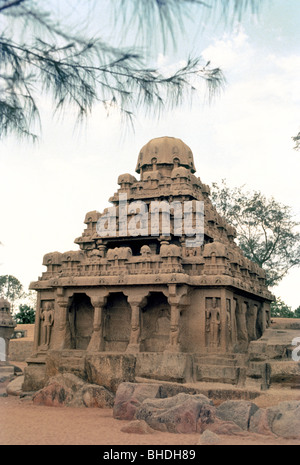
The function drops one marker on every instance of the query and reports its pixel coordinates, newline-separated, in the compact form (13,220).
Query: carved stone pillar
(63,337)
(97,341)
(242,333)
(174,345)
(223,322)
(135,302)
(173,299)
(251,322)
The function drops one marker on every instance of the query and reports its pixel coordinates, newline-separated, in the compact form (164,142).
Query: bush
(26,315)
(281,309)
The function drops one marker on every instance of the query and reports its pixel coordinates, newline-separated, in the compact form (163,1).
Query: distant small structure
(7,325)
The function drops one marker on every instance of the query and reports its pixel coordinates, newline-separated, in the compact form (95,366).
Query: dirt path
(23,423)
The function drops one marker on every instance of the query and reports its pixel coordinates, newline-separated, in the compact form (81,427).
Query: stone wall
(21,349)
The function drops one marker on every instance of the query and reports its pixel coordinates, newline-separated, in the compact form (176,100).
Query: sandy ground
(23,423)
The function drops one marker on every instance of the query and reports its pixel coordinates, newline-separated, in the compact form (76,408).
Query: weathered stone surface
(129,397)
(34,377)
(179,414)
(209,438)
(285,372)
(97,396)
(219,426)
(110,370)
(65,361)
(281,420)
(14,388)
(286,421)
(261,421)
(238,411)
(54,395)
(69,390)
(165,366)
(137,427)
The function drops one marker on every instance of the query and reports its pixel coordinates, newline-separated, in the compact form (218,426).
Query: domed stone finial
(165,151)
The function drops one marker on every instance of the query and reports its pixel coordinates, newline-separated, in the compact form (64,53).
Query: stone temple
(150,305)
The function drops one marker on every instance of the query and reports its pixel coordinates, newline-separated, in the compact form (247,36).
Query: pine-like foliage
(39,56)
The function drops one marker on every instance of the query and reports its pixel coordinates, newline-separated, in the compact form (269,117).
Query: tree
(296,139)
(266,231)
(41,55)
(281,309)
(297,312)
(11,289)
(26,315)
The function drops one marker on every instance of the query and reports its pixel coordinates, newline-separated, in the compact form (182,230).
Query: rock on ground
(209,438)
(282,420)
(230,428)
(129,397)
(137,427)
(238,411)
(182,413)
(14,388)
(71,391)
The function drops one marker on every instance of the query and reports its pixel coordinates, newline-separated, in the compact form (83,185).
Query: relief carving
(47,319)
(212,322)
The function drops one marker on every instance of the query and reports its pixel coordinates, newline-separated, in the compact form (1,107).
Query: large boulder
(238,411)
(71,391)
(286,421)
(129,397)
(282,420)
(261,421)
(53,395)
(93,395)
(182,413)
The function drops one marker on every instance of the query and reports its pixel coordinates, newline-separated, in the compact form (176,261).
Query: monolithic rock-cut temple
(152,305)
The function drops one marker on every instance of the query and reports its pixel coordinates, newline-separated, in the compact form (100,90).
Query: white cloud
(245,137)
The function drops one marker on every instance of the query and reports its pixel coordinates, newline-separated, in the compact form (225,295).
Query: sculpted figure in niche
(47,317)
(135,334)
(228,323)
(242,333)
(213,323)
(162,326)
(174,336)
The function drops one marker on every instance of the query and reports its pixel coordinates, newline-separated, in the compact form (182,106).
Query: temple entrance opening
(155,323)
(117,323)
(81,316)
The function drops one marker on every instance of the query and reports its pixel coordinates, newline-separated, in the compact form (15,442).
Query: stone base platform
(108,369)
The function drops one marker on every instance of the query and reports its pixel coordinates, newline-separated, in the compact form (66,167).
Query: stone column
(233,320)
(251,322)
(174,345)
(173,299)
(242,333)
(229,325)
(134,345)
(223,322)
(63,338)
(97,341)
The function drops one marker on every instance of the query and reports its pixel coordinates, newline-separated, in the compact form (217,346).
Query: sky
(243,136)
